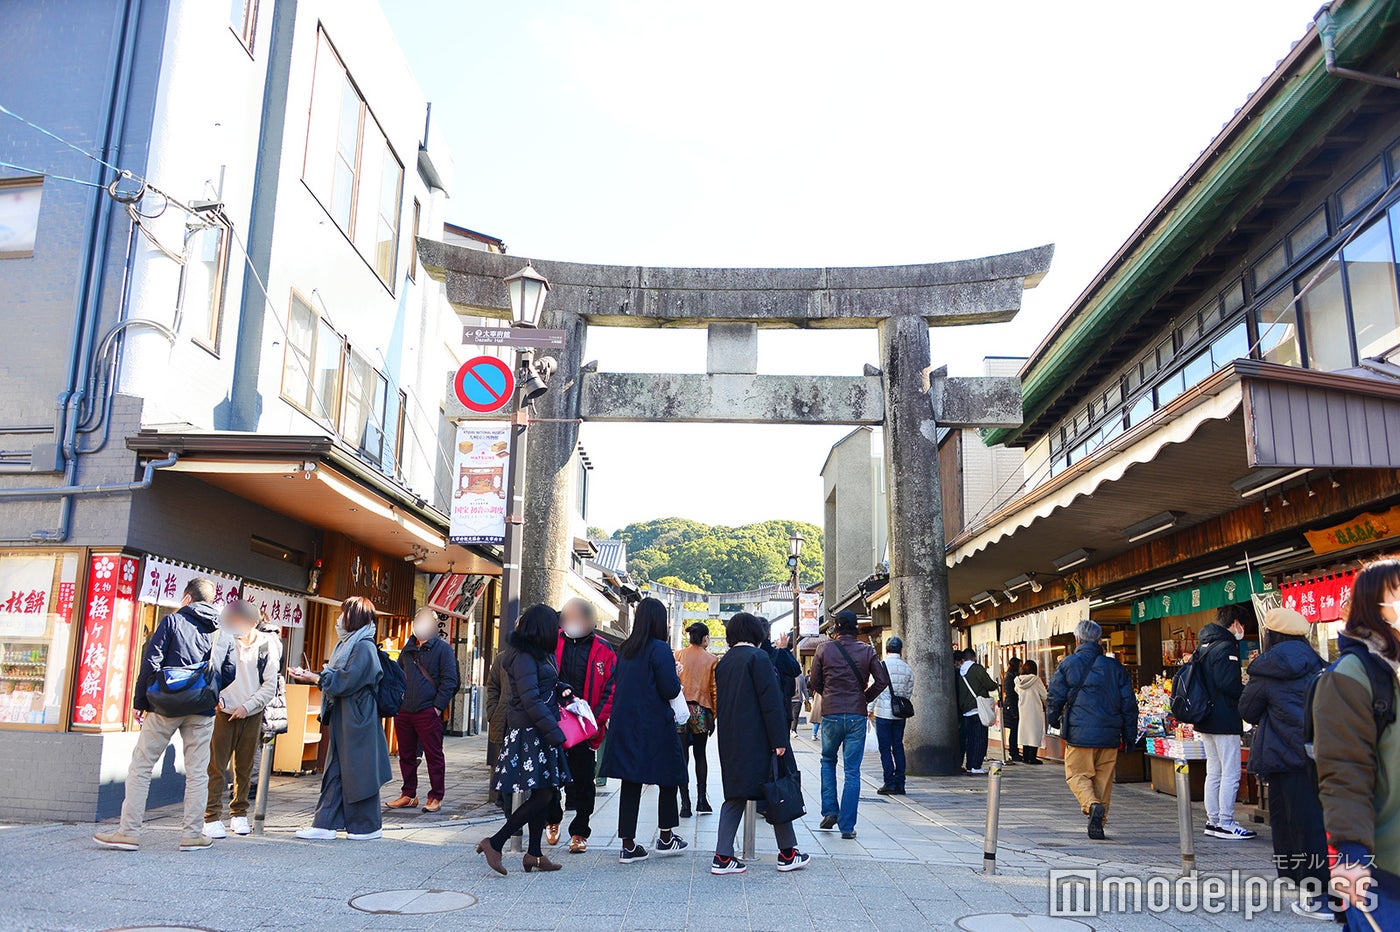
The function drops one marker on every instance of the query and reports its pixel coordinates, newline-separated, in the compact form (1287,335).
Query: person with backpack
(1091,701)
(1220,727)
(238,721)
(1274,700)
(892,708)
(1357,751)
(186,645)
(430,676)
(352,713)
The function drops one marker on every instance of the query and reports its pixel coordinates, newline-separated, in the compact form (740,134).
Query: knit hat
(1286,621)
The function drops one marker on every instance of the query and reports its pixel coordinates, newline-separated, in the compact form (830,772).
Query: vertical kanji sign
(101,697)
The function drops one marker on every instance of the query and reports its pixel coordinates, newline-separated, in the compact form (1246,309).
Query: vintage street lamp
(795,543)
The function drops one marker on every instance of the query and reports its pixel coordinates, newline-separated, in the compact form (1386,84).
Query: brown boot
(493,857)
(403,802)
(541,863)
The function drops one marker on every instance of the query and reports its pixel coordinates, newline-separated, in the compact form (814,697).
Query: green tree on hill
(716,558)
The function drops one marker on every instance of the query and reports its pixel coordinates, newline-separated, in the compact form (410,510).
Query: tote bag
(783,793)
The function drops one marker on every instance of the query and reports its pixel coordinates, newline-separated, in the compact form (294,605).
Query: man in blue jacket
(430,668)
(186,638)
(1092,703)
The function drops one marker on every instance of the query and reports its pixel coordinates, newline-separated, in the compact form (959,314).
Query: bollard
(989,846)
(517,841)
(264,778)
(1183,818)
(750,828)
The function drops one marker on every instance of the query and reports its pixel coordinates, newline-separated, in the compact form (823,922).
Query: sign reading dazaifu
(479,483)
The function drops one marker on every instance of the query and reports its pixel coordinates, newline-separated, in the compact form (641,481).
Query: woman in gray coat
(357,755)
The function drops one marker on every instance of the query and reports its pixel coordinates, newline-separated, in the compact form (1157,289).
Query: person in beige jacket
(1030,704)
(697,670)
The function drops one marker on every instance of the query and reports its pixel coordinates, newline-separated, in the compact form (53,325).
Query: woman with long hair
(1030,695)
(357,756)
(1357,750)
(643,745)
(532,754)
(1011,709)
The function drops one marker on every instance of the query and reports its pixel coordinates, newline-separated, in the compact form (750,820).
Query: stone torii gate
(904,394)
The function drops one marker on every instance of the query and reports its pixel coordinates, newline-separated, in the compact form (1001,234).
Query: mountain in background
(717,558)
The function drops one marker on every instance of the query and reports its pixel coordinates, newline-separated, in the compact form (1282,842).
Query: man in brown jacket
(849,677)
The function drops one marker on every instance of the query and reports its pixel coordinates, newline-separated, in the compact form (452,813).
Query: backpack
(1191,701)
(1382,696)
(388,695)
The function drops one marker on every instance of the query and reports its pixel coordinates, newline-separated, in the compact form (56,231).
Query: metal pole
(264,778)
(517,841)
(750,828)
(989,845)
(1183,817)
(515,503)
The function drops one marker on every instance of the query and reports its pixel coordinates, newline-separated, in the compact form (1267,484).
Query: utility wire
(59,139)
(56,177)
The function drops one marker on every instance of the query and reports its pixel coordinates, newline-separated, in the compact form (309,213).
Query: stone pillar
(918,562)
(548,477)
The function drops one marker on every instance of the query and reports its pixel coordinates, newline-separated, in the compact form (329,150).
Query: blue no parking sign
(484,384)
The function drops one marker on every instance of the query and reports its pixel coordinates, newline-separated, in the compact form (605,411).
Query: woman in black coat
(532,754)
(1011,710)
(643,745)
(753,729)
(1274,701)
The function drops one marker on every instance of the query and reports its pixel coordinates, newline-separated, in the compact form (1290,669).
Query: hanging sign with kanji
(25,584)
(163,582)
(104,681)
(280,608)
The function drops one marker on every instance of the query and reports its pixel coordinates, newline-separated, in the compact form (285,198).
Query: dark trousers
(533,812)
(697,743)
(1011,722)
(421,732)
(974,741)
(582,792)
(1295,821)
(235,740)
(334,812)
(889,735)
(668,813)
(1029,753)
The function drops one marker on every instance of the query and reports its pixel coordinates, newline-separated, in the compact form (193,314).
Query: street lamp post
(795,543)
(527,293)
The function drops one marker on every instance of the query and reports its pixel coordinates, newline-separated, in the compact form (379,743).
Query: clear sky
(767,133)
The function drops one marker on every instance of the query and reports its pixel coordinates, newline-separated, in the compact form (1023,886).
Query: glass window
(1165,352)
(359,398)
(1359,193)
(346,165)
(1231,345)
(1270,266)
(243,20)
(1149,366)
(1370,263)
(1277,329)
(386,245)
(1233,297)
(1309,233)
(1113,429)
(1197,369)
(205,268)
(413,246)
(311,367)
(19,216)
(37,595)
(1141,410)
(1324,314)
(1170,388)
(1188,330)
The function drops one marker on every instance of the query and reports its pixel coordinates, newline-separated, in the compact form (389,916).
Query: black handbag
(783,794)
(901,706)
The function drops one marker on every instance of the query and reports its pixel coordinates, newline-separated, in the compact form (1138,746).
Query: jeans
(889,734)
(583,792)
(235,738)
(421,731)
(731,813)
(974,741)
(1386,914)
(156,732)
(844,734)
(1222,777)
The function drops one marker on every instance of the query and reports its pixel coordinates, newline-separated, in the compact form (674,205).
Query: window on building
(386,245)
(1231,345)
(347,156)
(1141,410)
(1197,369)
(401,423)
(1270,267)
(413,246)
(243,20)
(1324,313)
(355,410)
(311,367)
(19,216)
(1370,268)
(1309,233)
(1233,297)
(205,271)
(1276,325)
(1360,191)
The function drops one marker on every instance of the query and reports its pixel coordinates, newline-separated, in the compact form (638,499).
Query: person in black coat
(752,730)
(785,665)
(1274,700)
(643,745)
(1011,710)
(1221,727)
(532,755)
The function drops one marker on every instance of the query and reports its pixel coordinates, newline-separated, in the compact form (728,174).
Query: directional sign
(518,337)
(484,384)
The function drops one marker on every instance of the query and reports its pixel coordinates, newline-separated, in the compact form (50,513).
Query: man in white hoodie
(238,721)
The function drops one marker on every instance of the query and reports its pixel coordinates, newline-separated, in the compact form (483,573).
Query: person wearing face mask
(1221,727)
(430,669)
(585,663)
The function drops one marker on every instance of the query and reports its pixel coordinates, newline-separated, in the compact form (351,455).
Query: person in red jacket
(586,664)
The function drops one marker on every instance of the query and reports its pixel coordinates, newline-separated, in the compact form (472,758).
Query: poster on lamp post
(479,483)
(809,614)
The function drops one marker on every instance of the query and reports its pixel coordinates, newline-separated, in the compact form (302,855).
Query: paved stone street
(914,865)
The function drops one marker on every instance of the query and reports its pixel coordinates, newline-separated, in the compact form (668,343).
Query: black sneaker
(702,806)
(634,853)
(686,813)
(1096,816)
(674,843)
(885,791)
(793,860)
(1211,830)
(849,835)
(723,865)
(828,823)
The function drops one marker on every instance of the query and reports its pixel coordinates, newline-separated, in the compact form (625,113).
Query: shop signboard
(100,700)
(25,583)
(1363,529)
(479,485)
(163,582)
(809,614)
(1324,599)
(1198,598)
(281,608)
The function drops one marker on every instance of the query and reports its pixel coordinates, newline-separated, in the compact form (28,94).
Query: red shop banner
(104,680)
(1325,598)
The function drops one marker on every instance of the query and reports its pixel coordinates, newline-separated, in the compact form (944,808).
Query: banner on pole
(479,483)
(809,613)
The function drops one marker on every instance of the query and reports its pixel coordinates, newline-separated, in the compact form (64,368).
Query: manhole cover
(1020,922)
(412,902)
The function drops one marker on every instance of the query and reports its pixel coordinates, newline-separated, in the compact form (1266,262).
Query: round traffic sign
(484,384)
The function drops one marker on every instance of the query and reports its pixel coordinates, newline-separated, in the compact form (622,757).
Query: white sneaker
(316,834)
(239,824)
(1314,910)
(367,836)
(977,770)
(214,830)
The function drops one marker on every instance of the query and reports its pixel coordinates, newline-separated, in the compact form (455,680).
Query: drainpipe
(68,492)
(1327,30)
